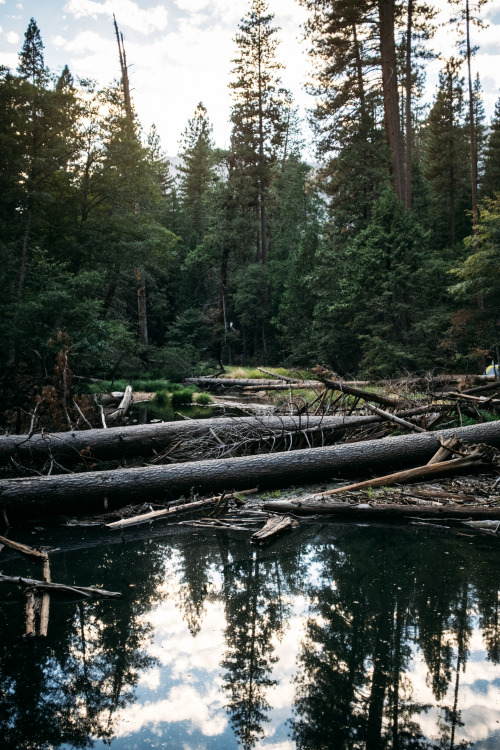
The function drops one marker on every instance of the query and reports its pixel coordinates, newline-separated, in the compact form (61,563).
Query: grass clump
(203,398)
(161,398)
(183,396)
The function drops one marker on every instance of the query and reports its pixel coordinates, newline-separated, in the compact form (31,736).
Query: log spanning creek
(335,636)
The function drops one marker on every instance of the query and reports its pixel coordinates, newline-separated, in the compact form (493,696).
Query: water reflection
(339,637)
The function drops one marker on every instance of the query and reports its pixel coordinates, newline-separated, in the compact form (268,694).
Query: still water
(338,636)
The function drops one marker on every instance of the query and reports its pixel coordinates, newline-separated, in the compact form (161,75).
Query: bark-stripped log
(81,492)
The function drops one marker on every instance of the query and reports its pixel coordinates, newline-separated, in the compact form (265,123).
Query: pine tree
(491,179)
(445,160)
(259,127)
(197,153)
(31,60)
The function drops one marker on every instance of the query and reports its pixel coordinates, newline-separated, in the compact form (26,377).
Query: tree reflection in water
(372,603)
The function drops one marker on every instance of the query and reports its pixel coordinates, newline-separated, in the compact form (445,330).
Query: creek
(338,636)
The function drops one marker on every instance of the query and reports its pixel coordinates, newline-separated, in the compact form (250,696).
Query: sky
(179,52)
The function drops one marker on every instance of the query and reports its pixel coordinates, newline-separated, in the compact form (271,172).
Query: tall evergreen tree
(446,148)
(467,16)
(197,154)
(491,178)
(31,60)
(259,126)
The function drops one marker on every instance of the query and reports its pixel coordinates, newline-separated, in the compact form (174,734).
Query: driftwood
(155,515)
(84,491)
(474,460)
(274,526)
(123,406)
(23,549)
(89,592)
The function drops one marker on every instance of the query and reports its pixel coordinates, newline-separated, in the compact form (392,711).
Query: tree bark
(143,440)
(83,492)
(387,12)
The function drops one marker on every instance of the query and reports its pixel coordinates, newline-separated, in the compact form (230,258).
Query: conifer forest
(376,256)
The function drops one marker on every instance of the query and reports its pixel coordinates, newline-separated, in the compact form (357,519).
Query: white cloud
(145,21)
(12,37)
(204,710)
(10,59)
(192,6)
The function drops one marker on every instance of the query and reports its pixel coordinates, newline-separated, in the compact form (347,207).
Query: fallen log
(370,511)
(260,383)
(143,440)
(280,377)
(83,492)
(337,385)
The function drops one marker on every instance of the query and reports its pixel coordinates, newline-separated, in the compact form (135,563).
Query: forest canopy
(379,258)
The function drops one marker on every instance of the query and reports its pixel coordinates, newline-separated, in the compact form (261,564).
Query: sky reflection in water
(336,637)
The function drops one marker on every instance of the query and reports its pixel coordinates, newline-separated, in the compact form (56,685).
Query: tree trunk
(141,307)
(390,87)
(83,492)
(143,440)
(409,134)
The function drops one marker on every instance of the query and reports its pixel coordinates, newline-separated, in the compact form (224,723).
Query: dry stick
(86,591)
(279,377)
(101,410)
(392,418)
(471,399)
(418,472)
(81,414)
(30,613)
(489,387)
(155,514)
(45,607)
(23,549)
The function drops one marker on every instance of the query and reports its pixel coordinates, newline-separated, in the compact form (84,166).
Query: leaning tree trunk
(73,493)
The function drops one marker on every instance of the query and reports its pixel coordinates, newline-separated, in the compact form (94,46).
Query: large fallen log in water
(145,440)
(369,511)
(83,492)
